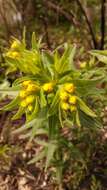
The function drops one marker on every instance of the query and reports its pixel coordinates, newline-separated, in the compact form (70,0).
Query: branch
(68,15)
(88,24)
(103,21)
(44,21)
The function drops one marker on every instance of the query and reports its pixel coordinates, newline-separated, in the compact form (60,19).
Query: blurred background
(77,21)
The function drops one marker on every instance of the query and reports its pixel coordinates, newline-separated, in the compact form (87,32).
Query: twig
(44,20)
(103,20)
(88,24)
(68,15)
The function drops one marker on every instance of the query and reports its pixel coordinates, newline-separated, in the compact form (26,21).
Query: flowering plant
(54,95)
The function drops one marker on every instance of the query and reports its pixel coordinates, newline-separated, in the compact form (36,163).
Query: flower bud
(73,108)
(30,99)
(23,104)
(72,99)
(63,95)
(65,106)
(22,94)
(69,87)
(48,87)
(30,107)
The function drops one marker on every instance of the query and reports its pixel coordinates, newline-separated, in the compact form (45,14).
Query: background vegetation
(78,22)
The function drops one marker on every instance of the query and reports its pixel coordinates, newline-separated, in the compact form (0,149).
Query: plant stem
(103,21)
(88,24)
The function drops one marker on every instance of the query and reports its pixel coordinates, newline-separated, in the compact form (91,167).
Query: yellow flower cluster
(13,52)
(67,98)
(27,94)
(48,87)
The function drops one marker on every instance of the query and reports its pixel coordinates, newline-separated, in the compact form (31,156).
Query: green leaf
(43,101)
(78,119)
(19,113)
(35,127)
(85,108)
(26,126)
(10,91)
(54,105)
(50,153)
(34,113)
(60,117)
(66,61)
(11,105)
(38,157)
(34,41)
(101,55)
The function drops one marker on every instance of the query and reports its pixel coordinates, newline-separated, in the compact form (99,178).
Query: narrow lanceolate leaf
(34,129)
(10,92)
(43,101)
(38,157)
(71,58)
(31,116)
(11,105)
(34,41)
(85,108)
(50,153)
(25,126)
(54,105)
(60,117)
(78,119)
(101,55)
(19,113)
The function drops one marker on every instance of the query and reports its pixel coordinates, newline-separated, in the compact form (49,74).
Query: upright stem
(103,21)
(88,24)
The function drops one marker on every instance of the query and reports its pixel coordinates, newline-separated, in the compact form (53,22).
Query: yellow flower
(65,106)
(32,88)
(22,94)
(72,99)
(15,44)
(13,55)
(23,104)
(69,87)
(30,107)
(48,87)
(30,99)
(26,83)
(9,54)
(73,108)
(83,65)
(63,95)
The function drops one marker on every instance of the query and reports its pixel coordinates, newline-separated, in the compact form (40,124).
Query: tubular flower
(23,104)
(26,83)
(69,87)
(65,106)
(72,99)
(13,54)
(32,88)
(30,99)
(30,108)
(15,44)
(22,94)
(63,95)
(48,87)
(73,108)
